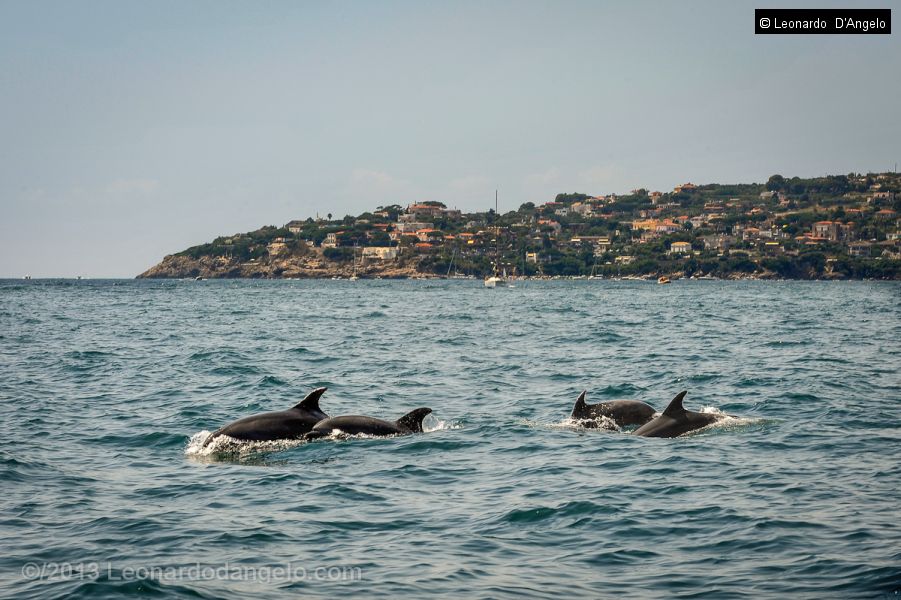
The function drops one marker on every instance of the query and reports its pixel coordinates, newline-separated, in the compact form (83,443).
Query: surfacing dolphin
(675,420)
(281,425)
(622,412)
(355,424)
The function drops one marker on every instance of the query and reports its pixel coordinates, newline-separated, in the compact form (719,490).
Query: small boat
(497,280)
(663,279)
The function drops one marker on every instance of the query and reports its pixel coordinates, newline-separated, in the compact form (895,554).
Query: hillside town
(844,226)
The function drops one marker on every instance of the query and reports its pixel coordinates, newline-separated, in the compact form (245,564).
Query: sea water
(108,389)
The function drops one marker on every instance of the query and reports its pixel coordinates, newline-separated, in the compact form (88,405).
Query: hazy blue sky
(131,130)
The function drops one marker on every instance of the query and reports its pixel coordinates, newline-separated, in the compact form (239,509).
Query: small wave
(302,350)
(543,513)
(270,381)
(236,370)
(87,354)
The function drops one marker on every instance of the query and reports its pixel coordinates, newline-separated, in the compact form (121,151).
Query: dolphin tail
(311,402)
(412,421)
(580,407)
(675,408)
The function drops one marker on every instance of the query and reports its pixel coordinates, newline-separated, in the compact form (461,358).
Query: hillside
(843,226)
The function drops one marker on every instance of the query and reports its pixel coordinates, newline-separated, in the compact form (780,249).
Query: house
(601,243)
(532,257)
(830,230)
(698,221)
(429,235)
(750,233)
(685,187)
(295,226)
(680,248)
(655,197)
(380,252)
(331,240)
(645,225)
(861,249)
(550,223)
(277,246)
(425,210)
(808,239)
(772,248)
(718,242)
(411,227)
(667,226)
(582,209)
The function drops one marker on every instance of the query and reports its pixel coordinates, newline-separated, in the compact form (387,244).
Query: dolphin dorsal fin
(675,407)
(580,404)
(412,421)
(311,402)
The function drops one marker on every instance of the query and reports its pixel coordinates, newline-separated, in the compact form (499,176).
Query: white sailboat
(354,276)
(497,279)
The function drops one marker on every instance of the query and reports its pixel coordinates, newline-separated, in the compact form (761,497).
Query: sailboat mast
(497,238)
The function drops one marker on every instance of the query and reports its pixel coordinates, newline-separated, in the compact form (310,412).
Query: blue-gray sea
(106,388)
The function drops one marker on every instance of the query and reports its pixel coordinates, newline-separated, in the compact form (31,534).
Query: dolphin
(621,412)
(675,420)
(355,424)
(280,425)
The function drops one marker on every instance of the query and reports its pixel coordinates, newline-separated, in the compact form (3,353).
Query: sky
(132,130)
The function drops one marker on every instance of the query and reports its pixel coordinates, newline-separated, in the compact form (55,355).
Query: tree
(775,183)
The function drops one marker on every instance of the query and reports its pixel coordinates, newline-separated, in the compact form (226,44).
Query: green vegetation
(836,226)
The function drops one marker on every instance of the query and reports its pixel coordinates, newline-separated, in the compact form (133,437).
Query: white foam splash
(601,424)
(432,423)
(224,444)
(725,421)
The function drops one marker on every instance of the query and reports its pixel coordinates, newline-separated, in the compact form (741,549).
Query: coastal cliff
(312,265)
